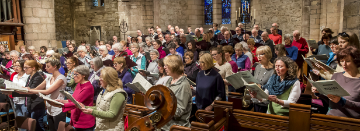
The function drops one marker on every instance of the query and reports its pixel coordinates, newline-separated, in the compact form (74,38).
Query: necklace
(207,73)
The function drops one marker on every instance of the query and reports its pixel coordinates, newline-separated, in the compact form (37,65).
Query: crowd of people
(96,74)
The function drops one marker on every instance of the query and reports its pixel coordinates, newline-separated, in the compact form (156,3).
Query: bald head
(227,35)
(275,25)
(265,36)
(246,37)
(296,35)
(240,25)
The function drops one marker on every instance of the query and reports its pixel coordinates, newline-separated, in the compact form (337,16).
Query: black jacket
(34,102)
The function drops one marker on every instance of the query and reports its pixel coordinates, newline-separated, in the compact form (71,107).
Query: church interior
(180,65)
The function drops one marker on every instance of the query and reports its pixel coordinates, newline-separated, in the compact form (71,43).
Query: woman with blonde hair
(180,86)
(51,87)
(110,103)
(209,84)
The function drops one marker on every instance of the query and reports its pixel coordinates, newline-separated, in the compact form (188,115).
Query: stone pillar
(217,12)
(315,13)
(39,23)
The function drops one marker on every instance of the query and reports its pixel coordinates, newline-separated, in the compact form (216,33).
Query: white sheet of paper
(49,99)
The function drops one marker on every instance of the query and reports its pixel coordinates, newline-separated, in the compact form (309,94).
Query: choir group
(96,74)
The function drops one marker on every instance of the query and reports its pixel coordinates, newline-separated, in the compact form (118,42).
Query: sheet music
(260,93)
(71,98)
(14,86)
(139,84)
(241,79)
(8,69)
(49,99)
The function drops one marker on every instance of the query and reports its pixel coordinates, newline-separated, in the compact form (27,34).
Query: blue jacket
(292,52)
(180,50)
(240,62)
(125,77)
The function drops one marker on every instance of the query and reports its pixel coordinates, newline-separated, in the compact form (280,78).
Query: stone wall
(39,23)
(287,13)
(351,16)
(182,13)
(331,15)
(64,18)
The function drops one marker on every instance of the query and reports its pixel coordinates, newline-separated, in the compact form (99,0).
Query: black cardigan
(34,102)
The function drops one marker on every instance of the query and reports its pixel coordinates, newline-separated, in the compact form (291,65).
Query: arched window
(226,11)
(208,12)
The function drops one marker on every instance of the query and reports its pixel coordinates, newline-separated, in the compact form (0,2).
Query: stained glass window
(98,2)
(226,11)
(245,9)
(208,11)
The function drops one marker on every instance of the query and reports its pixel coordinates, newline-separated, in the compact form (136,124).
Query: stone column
(39,20)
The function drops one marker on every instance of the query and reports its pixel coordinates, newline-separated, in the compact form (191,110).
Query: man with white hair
(302,45)
(172,31)
(220,36)
(257,27)
(227,39)
(201,30)
(114,39)
(255,35)
(139,34)
(238,34)
(277,27)
(268,42)
(241,26)
(168,29)
(83,56)
(190,31)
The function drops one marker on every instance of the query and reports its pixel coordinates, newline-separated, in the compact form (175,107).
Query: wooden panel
(6,38)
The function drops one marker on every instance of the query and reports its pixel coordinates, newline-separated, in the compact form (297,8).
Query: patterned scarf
(277,87)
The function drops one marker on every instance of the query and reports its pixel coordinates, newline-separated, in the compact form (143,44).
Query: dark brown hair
(192,42)
(29,56)
(351,51)
(220,51)
(75,60)
(228,48)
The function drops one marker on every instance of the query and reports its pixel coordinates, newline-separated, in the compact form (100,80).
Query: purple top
(233,66)
(351,107)
(84,93)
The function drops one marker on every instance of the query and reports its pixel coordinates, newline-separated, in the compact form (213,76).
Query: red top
(128,51)
(276,38)
(234,66)
(162,53)
(84,93)
(255,59)
(303,47)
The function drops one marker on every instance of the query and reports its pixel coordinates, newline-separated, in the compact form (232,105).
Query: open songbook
(8,69)
(69,96)
(139,84)
(149,74)
(310,60)
(49,99)
(326,87)
(11,86)
(260,94)
(319,57)
(241,79)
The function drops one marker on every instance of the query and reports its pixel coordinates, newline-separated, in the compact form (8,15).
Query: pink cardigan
(83,93)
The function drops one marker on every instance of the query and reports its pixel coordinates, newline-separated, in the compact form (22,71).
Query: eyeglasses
(16,66)
(213,54)
(76,74)
(25,68)
(69,63)
(115,64)
(343,34)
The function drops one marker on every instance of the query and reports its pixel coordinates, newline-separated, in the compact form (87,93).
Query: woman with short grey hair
(31,50)
(153,67)
(148,44)
(83,56)
(142,47)
(292,51)
(83,70)
(96,66)
(104,53)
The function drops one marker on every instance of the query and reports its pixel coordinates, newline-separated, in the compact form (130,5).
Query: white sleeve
(294,94)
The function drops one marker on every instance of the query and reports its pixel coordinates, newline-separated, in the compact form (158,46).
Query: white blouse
(294,94)
(52,110)
(22,82)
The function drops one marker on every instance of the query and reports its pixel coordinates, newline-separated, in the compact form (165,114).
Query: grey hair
(154,51)
(50,52)
(224,28)
(87,45)
(103,47)
(98,63)
(245,46)
(288,36)
(296,32)
(148,38)
(82,48)
(142,45)
(14,52)
(240,24)
(53,62)
(31,48)
(117,46)
(83,70)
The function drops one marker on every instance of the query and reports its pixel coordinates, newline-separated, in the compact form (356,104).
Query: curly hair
(351,51)
(291,65)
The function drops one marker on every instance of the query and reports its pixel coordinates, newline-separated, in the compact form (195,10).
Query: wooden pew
(138,99)
(210,120)
(135,112)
